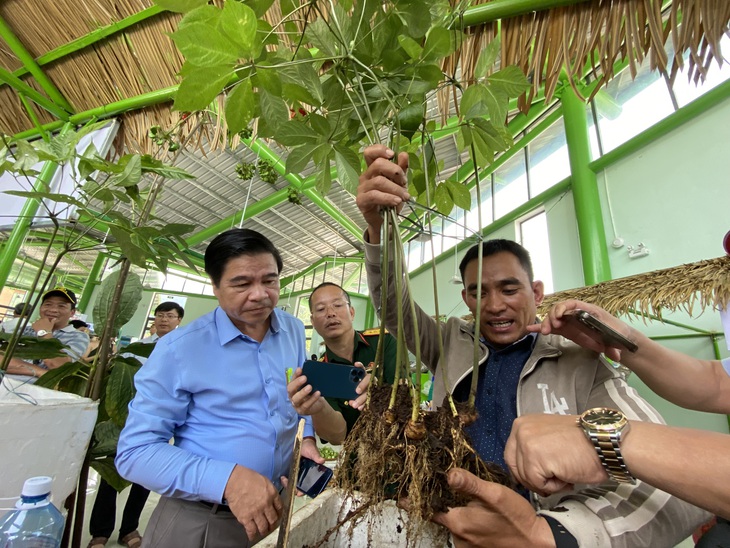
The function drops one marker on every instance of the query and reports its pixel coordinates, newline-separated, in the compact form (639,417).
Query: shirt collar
(227,331)
(527,340)
(68,329)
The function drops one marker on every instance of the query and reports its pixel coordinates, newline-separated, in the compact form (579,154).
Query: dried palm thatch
(142,58)
(599,33)
(686,287)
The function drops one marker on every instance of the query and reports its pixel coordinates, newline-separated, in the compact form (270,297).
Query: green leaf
(497,104)
(201,86)
(459,194)
(487,58)
(320,124)
(105,440)
(510,80)
(260,7)
(274,113)
(109,473)
(268,78)
(239,24)
(295,133)
(143,350)
(410,118)
(177,229)
(25,156)
(348,168)
(153,165)
(442,199)
(203,46)
(132,171)
(495,135)
(413,48)
(33,348)
(240,106)
(309,78)
(63,198)
(415,17)
(299,157)
(319,35)
(203,14)
(438,44)
(473,102)
(323,180)
(180,6)
(52,377)
(120,391)
(131,296)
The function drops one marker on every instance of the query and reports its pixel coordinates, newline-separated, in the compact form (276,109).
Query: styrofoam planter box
(385,526)
(42,433)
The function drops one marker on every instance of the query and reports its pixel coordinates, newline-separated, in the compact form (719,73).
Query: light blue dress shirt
(222,396)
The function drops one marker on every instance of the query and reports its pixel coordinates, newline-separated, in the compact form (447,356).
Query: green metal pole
(504,9)
(591,232)
(41,100)
(22,225)
(29,62)
(92,281)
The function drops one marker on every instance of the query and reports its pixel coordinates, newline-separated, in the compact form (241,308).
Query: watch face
(603,418)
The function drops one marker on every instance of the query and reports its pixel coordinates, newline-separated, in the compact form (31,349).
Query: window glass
(686,91)
(510,185)
(472,216)
(533,233)
(549,162)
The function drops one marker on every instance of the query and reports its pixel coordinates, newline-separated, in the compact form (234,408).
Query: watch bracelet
(609,453)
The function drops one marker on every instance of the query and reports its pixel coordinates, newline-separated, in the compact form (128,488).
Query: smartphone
(333,380)
(610,336)
(313,477)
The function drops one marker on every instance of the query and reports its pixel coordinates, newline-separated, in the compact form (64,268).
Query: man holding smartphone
(332,317)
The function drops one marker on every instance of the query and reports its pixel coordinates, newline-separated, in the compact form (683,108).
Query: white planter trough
(42,433)
(385,526)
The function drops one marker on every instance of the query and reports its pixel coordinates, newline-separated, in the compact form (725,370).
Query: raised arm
(693,383)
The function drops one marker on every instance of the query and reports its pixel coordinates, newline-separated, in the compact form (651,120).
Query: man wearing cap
(57,307)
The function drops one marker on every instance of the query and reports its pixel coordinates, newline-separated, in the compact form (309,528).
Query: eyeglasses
(337,306)
(161,316)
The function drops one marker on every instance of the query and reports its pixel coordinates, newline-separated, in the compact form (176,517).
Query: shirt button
(268,381)
(272,413)
(276,446)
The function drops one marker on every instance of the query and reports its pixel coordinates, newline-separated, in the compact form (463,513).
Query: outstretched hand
(383,184)
(496,516)
(558,323)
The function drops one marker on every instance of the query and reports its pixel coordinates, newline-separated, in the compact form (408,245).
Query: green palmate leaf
(240,106)
(63,198)
(319,35)
(203,46)
(309,79)
(320,124)
(497,103)
(26,156)
(487,58)
(106,195)
(238,23)
(495,135)
(295,93)
(260,7)
(442,200)
(295,133)
(413,48)
(120,391)
(274,113)
(438,44)
(268,78)
(210,15)
(459,194)
(153,165)
(266,34)
(474,102)
(177,229)
(106,469)
(299,157)
(131,296)
(415,19)
(52,377)
(132,171)
(510,80)
(323,180)
(410,118)
(104,442)
(200,86)
(180,6)
(347,163)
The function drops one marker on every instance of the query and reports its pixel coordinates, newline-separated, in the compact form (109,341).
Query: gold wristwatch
(605,429)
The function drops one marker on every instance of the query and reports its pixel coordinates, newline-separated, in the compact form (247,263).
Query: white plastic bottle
(35,522)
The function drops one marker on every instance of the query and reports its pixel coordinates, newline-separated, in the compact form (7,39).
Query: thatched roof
(141,58)
(688,287)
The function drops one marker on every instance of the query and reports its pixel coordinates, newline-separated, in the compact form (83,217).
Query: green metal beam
(11,246)
(588,213)
(91,38)
(504,9)
(41,100)
(315,265)
(92,281)
(30,64)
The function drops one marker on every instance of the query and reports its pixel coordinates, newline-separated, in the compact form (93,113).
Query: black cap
(67,294)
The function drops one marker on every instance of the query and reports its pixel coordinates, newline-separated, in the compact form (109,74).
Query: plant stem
(478,310)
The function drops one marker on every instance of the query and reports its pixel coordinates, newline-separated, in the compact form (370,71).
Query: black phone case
(333,380)
(609,335)
(313,477)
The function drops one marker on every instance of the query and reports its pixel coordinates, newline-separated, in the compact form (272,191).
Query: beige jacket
(559,377)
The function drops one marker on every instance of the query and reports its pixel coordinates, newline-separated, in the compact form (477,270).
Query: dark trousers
(104,513)
(717,537)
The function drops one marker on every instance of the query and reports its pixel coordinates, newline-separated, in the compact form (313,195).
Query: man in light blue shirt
(218,387)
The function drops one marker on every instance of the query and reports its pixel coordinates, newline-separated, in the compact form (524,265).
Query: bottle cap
(35,487)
